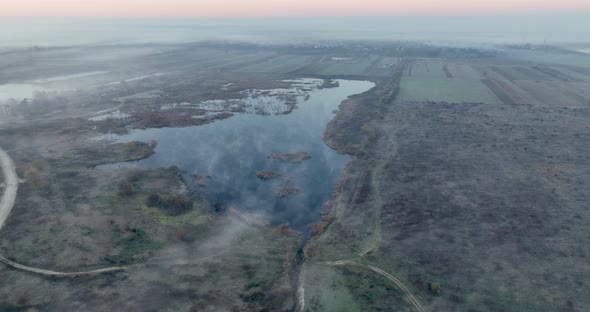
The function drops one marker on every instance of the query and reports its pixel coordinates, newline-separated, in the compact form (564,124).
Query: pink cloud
(278,7)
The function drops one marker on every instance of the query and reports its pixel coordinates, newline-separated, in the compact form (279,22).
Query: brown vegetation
(294,158)
(266,174)
(287,190)
(125,188)
(159,119)
(329,83)
(171,204)
(318,228)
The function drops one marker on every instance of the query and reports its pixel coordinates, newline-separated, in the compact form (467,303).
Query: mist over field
(489,29)
(417,156)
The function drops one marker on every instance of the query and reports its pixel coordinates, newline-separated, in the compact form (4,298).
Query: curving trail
(301,292)
(11,183)
(55,273)
(413,300)
(375,176)
(374,242)
(6,205)
(401,286)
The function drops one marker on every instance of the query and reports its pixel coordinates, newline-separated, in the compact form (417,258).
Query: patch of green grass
(373,291)
(197,215)
(193,217)
(326,290)
(445,89)
(425,80)
(134,244)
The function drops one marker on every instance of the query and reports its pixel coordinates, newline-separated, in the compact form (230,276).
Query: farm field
(427,80)
(553,86)
(278,64)
(322,65)
(436,80)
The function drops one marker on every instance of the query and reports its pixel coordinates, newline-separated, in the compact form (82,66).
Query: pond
(227,155)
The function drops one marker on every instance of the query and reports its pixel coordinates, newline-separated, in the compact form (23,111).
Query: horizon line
(540,13)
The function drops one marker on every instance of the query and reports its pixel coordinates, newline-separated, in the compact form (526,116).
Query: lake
(232,151)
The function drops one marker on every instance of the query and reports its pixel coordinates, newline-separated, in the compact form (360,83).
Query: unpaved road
(373,244)
(378,203)
(413,300)
(401,286)
(11,182)
(55,273)
(6,205)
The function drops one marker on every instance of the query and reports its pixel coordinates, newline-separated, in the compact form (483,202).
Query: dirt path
(11,184)
(55,273)
(375,175)
(374,242)
(413,300)
(301,291)
(401,286)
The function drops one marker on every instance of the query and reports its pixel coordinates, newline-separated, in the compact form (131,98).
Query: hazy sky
(280,7)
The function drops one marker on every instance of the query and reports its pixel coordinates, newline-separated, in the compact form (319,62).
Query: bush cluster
(125,188)
(170,204)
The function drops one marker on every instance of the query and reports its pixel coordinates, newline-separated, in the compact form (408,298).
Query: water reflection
(231,151)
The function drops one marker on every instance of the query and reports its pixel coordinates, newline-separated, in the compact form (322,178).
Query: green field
(425,80)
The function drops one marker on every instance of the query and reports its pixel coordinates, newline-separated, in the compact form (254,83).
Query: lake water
(234,149)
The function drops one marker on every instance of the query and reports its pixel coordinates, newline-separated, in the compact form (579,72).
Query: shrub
(220,207)
(125,188)
(39,164)
(35,177)
(170,204)
(435,288)
(180,234)
(153,200)
(133,147)
(32,175)
(134,174)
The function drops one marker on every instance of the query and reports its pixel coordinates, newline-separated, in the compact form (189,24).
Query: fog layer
(467,29)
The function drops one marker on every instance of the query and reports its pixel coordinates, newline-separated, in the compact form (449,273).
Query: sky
(289,8)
